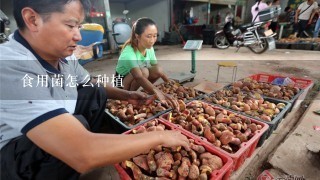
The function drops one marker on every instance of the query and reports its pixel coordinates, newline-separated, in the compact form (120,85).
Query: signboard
(193,45)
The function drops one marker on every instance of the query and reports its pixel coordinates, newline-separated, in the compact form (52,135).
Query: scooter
(121,29)
(124,19)
(252,36)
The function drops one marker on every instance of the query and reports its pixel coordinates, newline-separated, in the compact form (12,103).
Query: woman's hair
(138,28)
(43,7)
(257,8)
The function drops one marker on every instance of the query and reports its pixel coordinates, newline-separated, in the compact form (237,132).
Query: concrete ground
(291,152)
(299,154)
(174,59)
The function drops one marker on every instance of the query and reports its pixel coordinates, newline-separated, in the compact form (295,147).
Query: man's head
(275,2)
(51,27)
(287,9)
(43,7)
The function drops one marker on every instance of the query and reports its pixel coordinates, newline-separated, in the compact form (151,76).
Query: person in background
(50,129)
(187,17)
(137,64)
(302,16)
(274,22)
(229,17)
(258,6)
(317,26)
(290,14)
(269,3)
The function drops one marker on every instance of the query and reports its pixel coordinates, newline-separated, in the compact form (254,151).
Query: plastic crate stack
(284,105)
(207,121)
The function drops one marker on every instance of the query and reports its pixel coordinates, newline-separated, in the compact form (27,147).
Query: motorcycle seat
(245,26)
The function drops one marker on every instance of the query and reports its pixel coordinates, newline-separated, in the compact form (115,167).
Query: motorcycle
(252,36)
(4,20)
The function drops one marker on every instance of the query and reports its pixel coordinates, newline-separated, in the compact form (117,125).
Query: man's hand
(174,139)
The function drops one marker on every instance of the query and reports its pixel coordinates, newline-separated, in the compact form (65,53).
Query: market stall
(299,43)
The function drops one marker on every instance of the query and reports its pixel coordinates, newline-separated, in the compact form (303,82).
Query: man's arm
(114,93)
(297,15)
(67,139)
(312,15)
(120,94)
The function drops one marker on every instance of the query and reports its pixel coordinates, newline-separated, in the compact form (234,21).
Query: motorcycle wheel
(221,42)
(259,48)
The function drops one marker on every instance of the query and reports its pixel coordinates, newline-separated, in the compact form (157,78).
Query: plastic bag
(283,81)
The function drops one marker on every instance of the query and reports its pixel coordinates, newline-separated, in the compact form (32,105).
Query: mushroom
(228,137)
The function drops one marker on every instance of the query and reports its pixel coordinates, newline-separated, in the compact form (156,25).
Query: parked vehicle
(252,36)
(121,28)
(124,19)
(4,21)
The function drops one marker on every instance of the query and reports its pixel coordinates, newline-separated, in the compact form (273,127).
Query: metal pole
(109,24)
(193,62)
(209,8)
(171,16)
(235,10)
(243,12)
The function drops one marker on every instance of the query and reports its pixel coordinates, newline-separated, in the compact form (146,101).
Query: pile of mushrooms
(172,163)
(178,91)
(130,114)
(220,127)
(252,104)
(267,89)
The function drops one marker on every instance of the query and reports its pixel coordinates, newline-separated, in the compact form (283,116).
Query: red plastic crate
(122,173)
(268,78)
(223,173)
(246,149)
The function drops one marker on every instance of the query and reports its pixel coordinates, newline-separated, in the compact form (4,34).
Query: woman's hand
(166,99)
